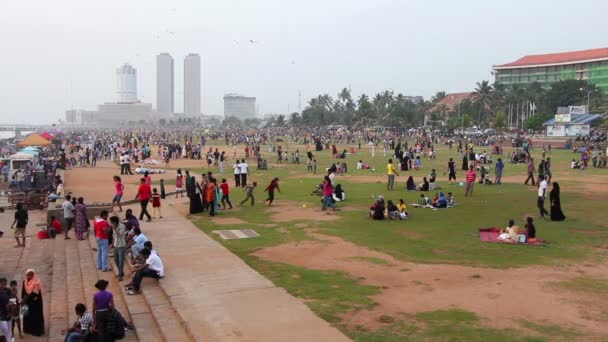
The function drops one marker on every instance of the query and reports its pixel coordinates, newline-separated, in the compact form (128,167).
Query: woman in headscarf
(31,295)
(196,206)
(556,205)
(410,185)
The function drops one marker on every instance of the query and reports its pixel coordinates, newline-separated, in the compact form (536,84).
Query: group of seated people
(362,166)
(428,184)
(144,260)
(512,234)
(575,164)
(440,200)
(380,211)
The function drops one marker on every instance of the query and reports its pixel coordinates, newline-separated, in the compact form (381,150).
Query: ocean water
(11,134)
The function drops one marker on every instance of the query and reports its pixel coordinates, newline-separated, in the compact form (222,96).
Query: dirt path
(407,288)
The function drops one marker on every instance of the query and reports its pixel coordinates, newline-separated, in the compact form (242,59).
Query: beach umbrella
(47,136)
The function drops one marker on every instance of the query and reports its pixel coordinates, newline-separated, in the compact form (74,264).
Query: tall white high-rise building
(192,84)
(165,84)
(126,84)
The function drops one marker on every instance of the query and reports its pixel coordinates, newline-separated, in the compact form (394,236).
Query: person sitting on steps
(153,268)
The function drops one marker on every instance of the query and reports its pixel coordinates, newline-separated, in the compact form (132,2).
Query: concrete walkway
(219,297)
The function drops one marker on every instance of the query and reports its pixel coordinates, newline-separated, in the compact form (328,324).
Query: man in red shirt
(102,229)
(144,192)
(471,175)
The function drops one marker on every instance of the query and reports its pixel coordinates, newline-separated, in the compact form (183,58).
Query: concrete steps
(171,323)
(58,319)
(151,308)
(90,276)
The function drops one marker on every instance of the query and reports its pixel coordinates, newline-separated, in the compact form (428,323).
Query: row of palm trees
(486,106)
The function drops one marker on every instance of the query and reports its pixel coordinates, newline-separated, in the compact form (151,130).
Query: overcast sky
(59,54)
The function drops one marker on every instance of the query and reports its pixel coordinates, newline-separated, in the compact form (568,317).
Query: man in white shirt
(542,191)
(244,169)
(237,173)
(69,214)
(123,166)
(153,268)
(138,242)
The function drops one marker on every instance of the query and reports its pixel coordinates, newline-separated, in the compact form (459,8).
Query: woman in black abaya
(196,204)
(556,205)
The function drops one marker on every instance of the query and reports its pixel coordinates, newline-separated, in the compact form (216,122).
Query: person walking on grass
(542,192)
(244,170)
(390,171)
(530,172)
(470,176)
(249,192)
(274,184)
(143,194)
(237,173)
(225,194)
(328,191)
(499,167)
(451,171)
(21,220)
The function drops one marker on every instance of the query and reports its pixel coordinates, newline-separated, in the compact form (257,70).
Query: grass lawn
(445,236)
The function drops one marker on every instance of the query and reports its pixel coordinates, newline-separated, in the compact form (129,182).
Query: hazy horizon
(64,54)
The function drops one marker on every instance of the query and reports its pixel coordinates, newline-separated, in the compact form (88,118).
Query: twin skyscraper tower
(165,84)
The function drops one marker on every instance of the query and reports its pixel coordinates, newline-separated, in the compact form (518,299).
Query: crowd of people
(123,239)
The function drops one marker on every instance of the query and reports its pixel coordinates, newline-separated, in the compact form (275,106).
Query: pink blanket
(491,235)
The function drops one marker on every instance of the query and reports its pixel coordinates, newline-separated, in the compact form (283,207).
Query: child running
(274,184)
(225,194)
(249,192)
(156,204)
(119,189)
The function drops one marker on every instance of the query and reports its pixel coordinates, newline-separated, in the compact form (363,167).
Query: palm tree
(344,95)
(363,100)
(326,101)
(482,96)
(378,104)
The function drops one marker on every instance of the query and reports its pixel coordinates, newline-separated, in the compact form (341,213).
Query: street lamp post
(588,96)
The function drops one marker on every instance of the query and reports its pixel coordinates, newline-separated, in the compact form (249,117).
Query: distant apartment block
(242,107)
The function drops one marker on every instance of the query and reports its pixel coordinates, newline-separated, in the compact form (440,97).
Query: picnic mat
(491,235)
